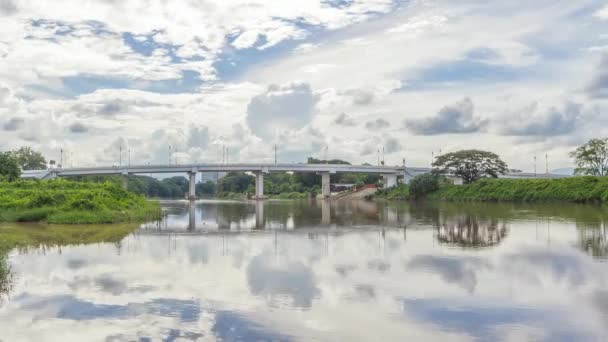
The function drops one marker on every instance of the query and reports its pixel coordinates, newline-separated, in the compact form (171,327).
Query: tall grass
(575,189)
(62,201)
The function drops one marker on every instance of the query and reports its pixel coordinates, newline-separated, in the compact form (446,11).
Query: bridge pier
(192,185)
(390,180)
(325,185)
(259,185)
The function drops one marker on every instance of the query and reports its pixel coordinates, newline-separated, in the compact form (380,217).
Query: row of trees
(24,158)
(591,160)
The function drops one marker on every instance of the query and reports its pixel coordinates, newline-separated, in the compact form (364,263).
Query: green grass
(575,189)
(397,193)
(67,202)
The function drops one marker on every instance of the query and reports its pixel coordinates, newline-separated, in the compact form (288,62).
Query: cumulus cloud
(536,121)
(281,108)
(198,137)
(7,7)
(455,118)
(377,124)
(598,87)
(361,96)
(78,127)
(391,145)
(14,124)
(344,120)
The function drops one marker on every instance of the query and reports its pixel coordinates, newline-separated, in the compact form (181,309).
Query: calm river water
(317,271)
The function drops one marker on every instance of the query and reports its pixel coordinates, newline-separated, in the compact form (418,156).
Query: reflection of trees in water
(468,231)
(592,240)
(6,277)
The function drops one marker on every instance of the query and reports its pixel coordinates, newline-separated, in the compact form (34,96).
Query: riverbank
(575,189)
(66,202)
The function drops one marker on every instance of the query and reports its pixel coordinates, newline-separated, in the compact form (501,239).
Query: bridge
(390,174)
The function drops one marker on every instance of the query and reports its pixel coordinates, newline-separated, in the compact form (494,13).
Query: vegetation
(395,193)
(173,187)
(424,184)
(577,189)
(470,165)
(29,159)
(592,158)
(63,201)
(9,167)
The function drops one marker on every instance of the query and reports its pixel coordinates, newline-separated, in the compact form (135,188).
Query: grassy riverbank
(67,202)
(575,189)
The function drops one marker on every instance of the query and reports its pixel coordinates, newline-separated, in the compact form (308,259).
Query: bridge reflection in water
(197,217)
(461,229)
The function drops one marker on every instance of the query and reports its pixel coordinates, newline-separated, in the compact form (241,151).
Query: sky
(329,79)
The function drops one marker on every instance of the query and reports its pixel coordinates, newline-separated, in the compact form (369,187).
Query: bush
(424,184)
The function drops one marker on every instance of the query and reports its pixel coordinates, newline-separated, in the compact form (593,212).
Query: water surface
(314,270)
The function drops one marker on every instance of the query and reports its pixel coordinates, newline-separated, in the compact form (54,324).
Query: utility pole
(546,163)
(275,154)
(120,155)
(61,159)
(170,154)
(432,158)
(378,152)
(383,160)
(534,166)
(129,157)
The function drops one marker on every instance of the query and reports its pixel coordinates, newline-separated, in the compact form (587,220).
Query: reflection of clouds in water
(345,270)
(572,268)
(106,283)
(230,326)
(75,264)
(70,307)
(198,253)
(461,271)
(266,276)
(488,322)
(378,265)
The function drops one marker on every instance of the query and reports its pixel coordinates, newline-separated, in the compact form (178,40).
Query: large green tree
(592,158)
(9,168)
(29,159)
(471,165)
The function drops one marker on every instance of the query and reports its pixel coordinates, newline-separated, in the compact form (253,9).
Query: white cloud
(281,108)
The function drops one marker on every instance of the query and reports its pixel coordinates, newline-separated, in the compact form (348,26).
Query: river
(319,271)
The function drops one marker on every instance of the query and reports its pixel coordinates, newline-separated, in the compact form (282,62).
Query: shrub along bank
(62,201)
(575,189)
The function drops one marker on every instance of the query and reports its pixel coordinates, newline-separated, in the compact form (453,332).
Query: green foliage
(235,183)
(396,193)
(424,184)
(62,201)
(173,187)
(29,159)
(9,167)
(576,189)
(471,165)
(206,189)
(592,158)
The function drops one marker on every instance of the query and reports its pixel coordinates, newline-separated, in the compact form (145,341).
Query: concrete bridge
(390,174)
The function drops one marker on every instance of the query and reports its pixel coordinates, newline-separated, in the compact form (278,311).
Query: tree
(592,158)
(424,184)
(9,168)
(471,165)
(29,159)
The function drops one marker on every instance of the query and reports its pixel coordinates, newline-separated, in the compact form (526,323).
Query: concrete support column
(325,212)
(259,215)
(390,180)
(259,185)
(192,215)
(325,185)
(192,184)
